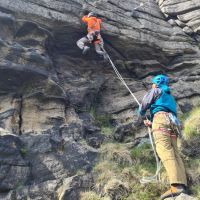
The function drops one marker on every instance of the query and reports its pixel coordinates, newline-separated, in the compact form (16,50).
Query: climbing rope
(120,77)
(155,177)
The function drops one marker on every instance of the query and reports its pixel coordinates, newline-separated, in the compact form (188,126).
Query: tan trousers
(166,147)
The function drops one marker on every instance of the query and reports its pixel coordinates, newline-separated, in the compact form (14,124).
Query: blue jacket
(158,99)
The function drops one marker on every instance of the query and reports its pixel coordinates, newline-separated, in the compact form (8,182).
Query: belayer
(93,36)
(165,130)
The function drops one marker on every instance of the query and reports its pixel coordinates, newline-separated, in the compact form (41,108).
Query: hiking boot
(85,50)
(173,191)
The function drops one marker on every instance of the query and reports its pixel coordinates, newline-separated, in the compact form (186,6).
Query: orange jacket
(94,24)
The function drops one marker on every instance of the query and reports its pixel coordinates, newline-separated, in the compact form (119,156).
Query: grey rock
(50,160)
(182,197)
(172,22)
(187,30)
(15,170)
(191,147)
(67,189)
(180,23)
(45,190)
(187,12)
(49,90)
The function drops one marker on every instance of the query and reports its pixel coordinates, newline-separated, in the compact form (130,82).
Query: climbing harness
(155,177)
(176,124)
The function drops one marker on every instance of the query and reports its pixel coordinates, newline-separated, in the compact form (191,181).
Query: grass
(23,152)
(144,159)
(193,169)
(196,191)
(107,131)
(146,192)
(119,170)
(118,173)
(103,121)
(192,124)
(90,195)
(117,189)
(109,171)
(116,152)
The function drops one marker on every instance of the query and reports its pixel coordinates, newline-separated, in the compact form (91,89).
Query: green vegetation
(107,131)
(193,168)
(116,152)
(80,172)
(23,152)
(118,174)
(103,121)
(192,124)
(196,191)
(90,195)
(143,158)
(119,170)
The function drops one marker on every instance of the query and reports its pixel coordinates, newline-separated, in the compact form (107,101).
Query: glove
(147,123)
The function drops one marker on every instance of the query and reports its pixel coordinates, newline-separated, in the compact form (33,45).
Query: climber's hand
(147,123)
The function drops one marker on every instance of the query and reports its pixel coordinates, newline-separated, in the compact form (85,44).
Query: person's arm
(149,98)
(85,18)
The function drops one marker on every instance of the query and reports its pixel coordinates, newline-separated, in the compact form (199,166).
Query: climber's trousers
(83,41)
(166,147)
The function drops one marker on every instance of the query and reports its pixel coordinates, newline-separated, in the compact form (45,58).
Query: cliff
(54,100)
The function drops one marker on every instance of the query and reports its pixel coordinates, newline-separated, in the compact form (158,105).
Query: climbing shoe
(173,191)
(85,50)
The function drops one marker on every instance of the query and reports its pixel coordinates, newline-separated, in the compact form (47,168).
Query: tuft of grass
(109,180)
(193,170)
(104,171)
(90,195)
(23,151)
(117,153)
(107,131)
(143,159)
(119,170)
(118,177)
(192,124)
(146,192)
(116,189)
(196,191)
(103,121)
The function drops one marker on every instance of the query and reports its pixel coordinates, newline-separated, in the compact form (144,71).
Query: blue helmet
(160,80)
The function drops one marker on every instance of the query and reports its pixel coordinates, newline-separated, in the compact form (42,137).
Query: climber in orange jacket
(93,36)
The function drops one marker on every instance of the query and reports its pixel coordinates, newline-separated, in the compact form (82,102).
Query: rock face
(184,13)
(49,90)
(182,197)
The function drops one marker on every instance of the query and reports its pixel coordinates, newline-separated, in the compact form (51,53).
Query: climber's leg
(99,47)
(82,44)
